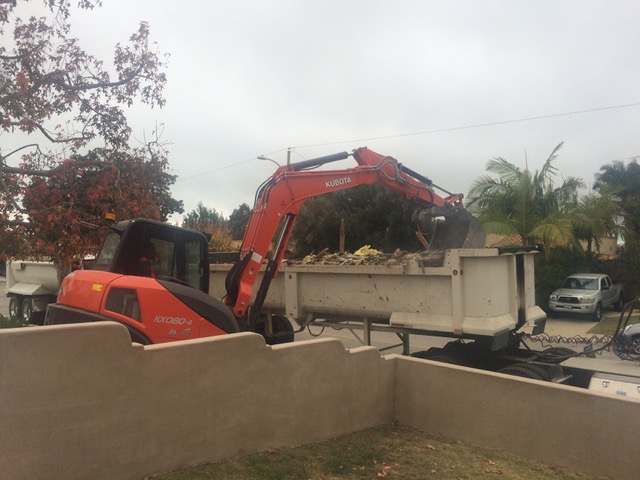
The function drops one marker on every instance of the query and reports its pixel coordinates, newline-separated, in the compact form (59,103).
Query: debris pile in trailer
(370,256)
(363,256)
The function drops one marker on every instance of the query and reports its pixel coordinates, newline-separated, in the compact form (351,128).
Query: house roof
(494,240)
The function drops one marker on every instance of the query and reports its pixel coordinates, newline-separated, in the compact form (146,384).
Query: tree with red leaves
(68,102)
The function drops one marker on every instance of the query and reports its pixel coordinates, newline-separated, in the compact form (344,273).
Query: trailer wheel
(526,370)
(27,310)
(281,328)
(15,309)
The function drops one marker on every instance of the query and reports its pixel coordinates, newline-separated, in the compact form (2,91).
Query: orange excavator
(154,278)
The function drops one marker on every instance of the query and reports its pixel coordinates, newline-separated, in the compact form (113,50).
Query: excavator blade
(462,231)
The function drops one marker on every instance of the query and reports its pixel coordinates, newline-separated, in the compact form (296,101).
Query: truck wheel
(15,311)
(596,316)
(634,344)
(27,310)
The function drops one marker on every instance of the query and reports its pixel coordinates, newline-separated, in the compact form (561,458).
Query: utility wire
(424,132)
(477,125)
(224,167)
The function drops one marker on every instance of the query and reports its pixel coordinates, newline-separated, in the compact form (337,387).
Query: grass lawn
(607,326)
(389,451)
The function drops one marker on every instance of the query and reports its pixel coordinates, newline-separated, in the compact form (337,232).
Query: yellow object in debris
(308,259)
(367,250)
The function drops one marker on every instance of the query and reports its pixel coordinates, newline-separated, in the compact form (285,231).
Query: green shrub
(6,322)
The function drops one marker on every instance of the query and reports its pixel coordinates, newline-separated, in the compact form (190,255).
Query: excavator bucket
(457,231)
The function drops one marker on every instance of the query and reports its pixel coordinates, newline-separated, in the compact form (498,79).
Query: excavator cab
(147,248)
(151,277)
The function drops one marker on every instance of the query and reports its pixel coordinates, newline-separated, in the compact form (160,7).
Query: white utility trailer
(31,285)
(480,294)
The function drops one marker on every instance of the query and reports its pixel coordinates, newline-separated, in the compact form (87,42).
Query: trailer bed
(463,293)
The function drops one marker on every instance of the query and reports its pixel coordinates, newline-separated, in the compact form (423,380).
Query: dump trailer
(31,286)
(479,294)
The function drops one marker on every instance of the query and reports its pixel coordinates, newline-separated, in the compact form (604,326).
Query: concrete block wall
(555,424)
(80,401)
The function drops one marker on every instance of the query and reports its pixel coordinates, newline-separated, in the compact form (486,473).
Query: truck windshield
(581,283)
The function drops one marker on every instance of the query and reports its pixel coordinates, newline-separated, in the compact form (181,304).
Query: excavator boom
(279,199)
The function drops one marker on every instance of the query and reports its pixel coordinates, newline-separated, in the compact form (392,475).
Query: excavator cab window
(148,261)
(153,249)
(195,265)
(107,251)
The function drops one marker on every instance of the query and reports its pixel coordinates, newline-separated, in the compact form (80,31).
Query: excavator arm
(279,199)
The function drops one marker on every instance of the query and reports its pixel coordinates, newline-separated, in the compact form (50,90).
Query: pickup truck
(587,294)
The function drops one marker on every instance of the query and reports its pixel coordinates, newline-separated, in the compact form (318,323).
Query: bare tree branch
(29,171)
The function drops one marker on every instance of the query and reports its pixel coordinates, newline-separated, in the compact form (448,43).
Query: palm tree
(526,203)
(622,182)
(597,215)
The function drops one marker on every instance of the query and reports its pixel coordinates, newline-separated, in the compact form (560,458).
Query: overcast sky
(443,86)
